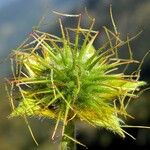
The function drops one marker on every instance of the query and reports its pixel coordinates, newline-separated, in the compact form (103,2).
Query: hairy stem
(67,143)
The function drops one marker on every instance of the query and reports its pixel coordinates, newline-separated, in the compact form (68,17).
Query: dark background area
(18,17)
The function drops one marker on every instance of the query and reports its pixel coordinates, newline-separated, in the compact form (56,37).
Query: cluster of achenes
(66,78)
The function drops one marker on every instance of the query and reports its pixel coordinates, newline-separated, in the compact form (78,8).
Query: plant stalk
(67,143)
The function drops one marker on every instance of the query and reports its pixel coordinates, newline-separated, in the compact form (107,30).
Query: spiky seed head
(68,79)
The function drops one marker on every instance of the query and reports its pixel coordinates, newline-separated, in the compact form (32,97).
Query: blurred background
(17,19)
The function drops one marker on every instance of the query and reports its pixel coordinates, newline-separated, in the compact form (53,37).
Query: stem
(67,143)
